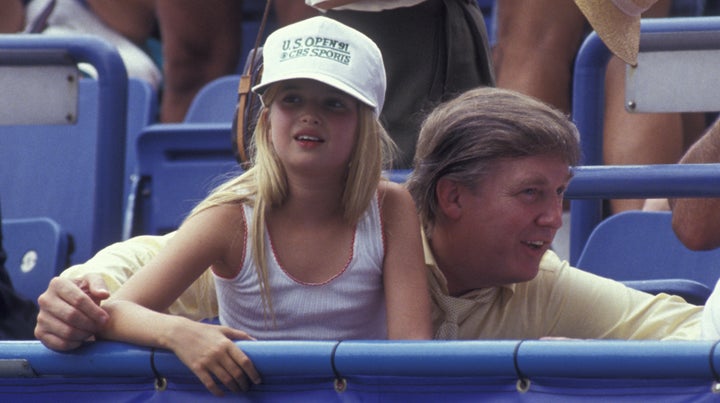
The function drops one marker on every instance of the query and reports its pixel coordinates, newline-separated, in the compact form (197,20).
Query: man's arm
(696,222)
(69,309)
(581,305)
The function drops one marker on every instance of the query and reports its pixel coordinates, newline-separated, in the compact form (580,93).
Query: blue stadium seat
(142,111)
(638,245)
(215,102)
(657,36)
(643,248)
(70,171)
(178,165)
(37,251)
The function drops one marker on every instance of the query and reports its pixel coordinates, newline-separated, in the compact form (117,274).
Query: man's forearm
(697,221)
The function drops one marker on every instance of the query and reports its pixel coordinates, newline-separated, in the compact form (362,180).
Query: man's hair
(463,138)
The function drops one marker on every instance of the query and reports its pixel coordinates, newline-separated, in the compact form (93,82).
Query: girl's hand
(209,350)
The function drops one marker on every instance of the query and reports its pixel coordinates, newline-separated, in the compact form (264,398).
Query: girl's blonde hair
(264,185)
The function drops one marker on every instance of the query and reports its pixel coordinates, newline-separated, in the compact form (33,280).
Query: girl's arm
(406,290)
(214,237)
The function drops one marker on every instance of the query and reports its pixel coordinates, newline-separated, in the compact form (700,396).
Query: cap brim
(323,78)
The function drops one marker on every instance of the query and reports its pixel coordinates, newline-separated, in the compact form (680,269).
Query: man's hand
(70,311)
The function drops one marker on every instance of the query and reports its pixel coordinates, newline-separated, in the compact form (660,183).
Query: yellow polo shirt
(117,262)
(561,301)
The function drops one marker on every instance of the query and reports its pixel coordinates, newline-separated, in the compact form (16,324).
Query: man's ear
(448,195)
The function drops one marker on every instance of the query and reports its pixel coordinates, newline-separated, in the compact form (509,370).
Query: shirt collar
(439,283)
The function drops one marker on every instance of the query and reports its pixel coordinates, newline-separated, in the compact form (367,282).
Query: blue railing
(502,370)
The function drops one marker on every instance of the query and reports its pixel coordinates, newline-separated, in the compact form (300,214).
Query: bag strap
(244,88)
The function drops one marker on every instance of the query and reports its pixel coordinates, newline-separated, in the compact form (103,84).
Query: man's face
(509,220)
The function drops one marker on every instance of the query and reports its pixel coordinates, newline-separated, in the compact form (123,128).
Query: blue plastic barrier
(424,371)
(142,111)
(178,165)
(72,173)
(588,111)
(593,183)
(37,250)
(641,247)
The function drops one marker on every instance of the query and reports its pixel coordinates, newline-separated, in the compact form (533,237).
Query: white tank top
(350,305)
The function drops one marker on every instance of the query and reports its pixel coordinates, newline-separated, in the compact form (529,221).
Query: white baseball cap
(322,49)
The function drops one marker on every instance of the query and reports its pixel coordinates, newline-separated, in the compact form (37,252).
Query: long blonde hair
(264,185)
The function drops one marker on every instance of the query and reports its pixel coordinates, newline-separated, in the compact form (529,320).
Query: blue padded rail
(424,371)
(639,245)
(72,173)
(591,184)
(588,111)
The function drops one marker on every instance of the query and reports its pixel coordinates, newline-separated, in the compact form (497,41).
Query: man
(490,171)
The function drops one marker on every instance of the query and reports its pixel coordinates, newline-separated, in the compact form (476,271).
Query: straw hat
(617,22)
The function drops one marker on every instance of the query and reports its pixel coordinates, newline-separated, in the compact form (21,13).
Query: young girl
(309,243)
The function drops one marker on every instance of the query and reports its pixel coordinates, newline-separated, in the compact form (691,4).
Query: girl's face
(313,126)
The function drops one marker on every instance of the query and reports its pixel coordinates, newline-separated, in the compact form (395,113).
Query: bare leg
(642,138)
(635,138)
(12,16)
(536,46)
(289,11)
(200,43)
(134,19)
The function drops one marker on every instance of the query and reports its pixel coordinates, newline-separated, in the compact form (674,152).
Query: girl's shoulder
(394,197)
(221,233)
(222,211)
(390,187)
(216,219)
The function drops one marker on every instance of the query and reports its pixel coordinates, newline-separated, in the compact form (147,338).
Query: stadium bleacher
(166,169)
(67,166)
(642,246)
(638,246)
(142,111)
(178,164)
(683,51)
(37,251)
(386,371)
